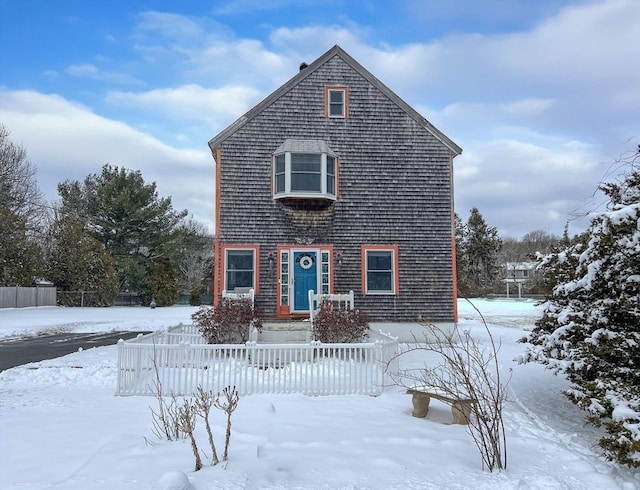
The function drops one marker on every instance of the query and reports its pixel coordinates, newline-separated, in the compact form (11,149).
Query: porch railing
(341,301)
(180,362)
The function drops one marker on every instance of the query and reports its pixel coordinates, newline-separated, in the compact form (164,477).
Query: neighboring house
(334,183)
(519,274)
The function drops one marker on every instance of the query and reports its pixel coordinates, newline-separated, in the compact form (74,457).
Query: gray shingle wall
(394,189)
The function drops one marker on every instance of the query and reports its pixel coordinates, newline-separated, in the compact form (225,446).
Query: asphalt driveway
(16,352)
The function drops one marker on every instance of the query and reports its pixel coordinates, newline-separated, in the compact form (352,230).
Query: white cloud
(68,141)
(87,70)
(520,186)
(241,61)
(536,112)
(169,25)
(191,101)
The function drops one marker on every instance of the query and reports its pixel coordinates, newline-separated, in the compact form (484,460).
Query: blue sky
(541,95)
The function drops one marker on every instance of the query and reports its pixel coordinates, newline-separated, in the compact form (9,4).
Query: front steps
(285,332)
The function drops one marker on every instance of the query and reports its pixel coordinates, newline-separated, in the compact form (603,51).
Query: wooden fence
(179,361)
(20,297)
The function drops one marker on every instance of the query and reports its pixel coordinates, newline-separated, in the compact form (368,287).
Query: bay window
(304,169)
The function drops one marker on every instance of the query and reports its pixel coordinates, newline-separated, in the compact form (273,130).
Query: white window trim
(288,193)
(344,103)
(226,265)
(394,272)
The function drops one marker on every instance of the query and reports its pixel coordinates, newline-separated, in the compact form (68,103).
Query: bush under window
(228,323)
(336,325)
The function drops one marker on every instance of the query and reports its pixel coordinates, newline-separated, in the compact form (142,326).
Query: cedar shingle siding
(394,188)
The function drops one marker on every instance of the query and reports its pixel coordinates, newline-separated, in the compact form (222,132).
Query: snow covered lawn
(61,427)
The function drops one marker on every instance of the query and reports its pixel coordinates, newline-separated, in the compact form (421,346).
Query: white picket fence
(181,362)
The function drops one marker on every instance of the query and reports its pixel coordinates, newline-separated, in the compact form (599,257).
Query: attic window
(336,102)
(304,169)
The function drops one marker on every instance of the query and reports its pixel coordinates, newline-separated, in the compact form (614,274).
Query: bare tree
(165,420)
(21,215)
(19,192)
(539,242)
(196,255)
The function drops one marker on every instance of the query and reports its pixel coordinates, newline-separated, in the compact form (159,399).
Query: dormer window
(336,101)
(304,169)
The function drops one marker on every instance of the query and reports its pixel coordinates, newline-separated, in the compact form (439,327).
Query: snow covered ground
(61,427)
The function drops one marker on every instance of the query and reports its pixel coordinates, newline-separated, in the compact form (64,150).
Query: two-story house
(519,273)
(334,183)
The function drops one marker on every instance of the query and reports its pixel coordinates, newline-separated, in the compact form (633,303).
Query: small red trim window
(337,102)
(241,267)
(380,269)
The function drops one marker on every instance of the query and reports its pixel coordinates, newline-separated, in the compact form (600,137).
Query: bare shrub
(165,420)
(228,323)
(232,397)
(337,325)
(203,403)
(465,370)
(187,424)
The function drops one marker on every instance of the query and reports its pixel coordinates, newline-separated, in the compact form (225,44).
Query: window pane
(336,96)
(280,174)
(305,182)
(239,269)
(240,259)
(336,103)
(379,281)
(379,261)
(336,110)
(305,161)
(331,175)
(306,172)
(331,165)
(239,279)
(379,271)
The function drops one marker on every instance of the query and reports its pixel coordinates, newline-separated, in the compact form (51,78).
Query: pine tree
(461,257)
(20,257)
(77,262)
(478,254)
(129,219)
(590,329)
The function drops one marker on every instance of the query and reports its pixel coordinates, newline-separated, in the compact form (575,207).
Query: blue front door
(304,278)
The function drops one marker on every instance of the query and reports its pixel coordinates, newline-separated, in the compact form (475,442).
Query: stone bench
(421,396)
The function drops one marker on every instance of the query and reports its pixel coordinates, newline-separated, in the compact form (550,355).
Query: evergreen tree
(163,284)
(77,262)
(129,219)
(590,329)
(20,257)
(477,255)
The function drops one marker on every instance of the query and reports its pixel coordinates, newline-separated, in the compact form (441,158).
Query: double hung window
(336,102)
(380,270)
(240,267)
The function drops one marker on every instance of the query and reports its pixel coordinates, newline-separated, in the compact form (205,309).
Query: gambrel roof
(217,140)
